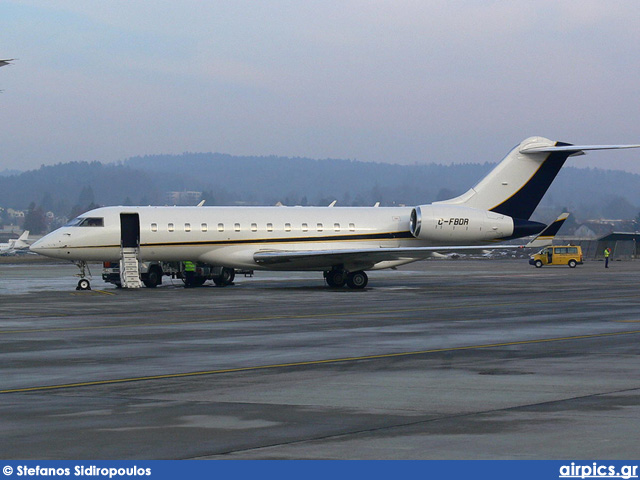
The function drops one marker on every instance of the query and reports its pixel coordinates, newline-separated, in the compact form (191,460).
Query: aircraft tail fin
(21,241)
(517,184)
(545,237)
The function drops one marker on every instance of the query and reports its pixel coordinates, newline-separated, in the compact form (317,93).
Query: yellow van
(562,255)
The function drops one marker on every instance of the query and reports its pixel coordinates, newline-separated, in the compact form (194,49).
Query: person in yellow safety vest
(189,274)
(607,252)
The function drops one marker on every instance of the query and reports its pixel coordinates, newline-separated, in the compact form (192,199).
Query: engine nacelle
(455,224)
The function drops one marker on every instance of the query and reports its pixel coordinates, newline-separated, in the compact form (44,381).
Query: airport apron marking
(312,362)
(94,292)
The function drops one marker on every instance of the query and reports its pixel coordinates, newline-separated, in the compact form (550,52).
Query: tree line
(67,189)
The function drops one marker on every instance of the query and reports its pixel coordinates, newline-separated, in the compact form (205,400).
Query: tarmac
(442,359)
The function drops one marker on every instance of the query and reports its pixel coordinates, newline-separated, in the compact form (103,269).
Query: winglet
(545,237)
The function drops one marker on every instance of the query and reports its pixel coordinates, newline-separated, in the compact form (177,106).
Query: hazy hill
(267,180)
(226,179)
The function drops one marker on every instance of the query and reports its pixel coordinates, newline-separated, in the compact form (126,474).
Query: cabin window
(269,227)
(154,227)
(352,227)
(320,227)
(221,227)
(305,227)
(187,227)
(287,227)
(237,227)
(254,227)
(204,227)
(170,227)
(336,227)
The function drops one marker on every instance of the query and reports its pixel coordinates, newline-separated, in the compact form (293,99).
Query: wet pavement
(440,359)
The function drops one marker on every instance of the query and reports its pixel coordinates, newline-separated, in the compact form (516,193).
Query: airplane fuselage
(231,236)
(343,242)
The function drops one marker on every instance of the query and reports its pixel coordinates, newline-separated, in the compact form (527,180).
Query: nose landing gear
(83,283)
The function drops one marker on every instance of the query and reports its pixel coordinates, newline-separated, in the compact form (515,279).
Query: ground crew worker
(189,274)
(607,252)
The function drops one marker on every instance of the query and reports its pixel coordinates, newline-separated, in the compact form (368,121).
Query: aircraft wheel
(357,280)
(154,278)
(83,284)
(226,277)
(538,263)
(335,278)
(572,263)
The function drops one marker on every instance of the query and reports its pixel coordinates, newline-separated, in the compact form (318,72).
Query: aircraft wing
(363,258)
(545,237)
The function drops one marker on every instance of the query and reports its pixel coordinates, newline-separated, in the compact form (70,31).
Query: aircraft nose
(36,246)
(39,246)
(49,245)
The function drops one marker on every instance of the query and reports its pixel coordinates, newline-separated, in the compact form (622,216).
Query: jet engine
(456,224)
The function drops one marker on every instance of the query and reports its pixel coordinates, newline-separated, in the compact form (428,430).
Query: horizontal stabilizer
(572,148)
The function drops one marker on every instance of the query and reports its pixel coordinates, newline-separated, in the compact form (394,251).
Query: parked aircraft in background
(14,245)
(341,242)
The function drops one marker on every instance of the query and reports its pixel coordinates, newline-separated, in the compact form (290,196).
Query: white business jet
(13,245)
(342,242)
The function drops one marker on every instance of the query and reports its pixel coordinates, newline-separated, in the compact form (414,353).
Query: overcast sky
(388,81)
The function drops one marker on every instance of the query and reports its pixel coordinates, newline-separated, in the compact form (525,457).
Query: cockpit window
(73,223)
(86,222)
(92,222)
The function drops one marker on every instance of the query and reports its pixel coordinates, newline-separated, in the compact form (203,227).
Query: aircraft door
(129,230)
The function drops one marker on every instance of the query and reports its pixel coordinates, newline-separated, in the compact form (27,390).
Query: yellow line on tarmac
(91,292)
(312,362)
(290,317)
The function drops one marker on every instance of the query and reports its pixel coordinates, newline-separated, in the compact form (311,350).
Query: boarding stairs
(129,268)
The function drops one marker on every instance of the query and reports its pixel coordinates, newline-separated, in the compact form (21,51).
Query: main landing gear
(338,277)
(83,283)
(226,277)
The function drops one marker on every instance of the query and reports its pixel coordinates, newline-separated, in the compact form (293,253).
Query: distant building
(8,232)
(584,232)
(624,245)
(15,214)
(183,198)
